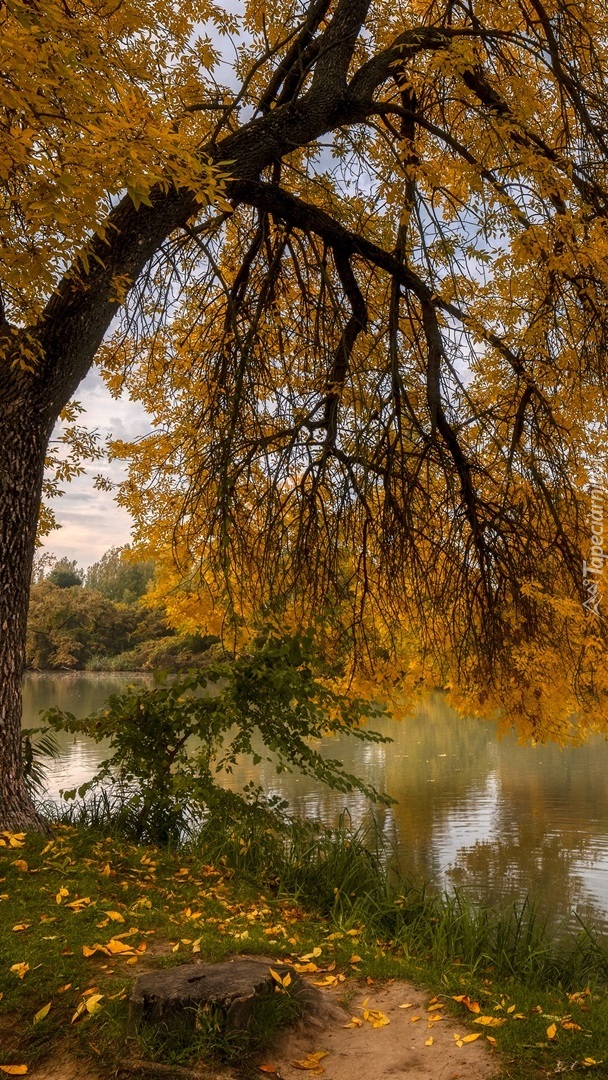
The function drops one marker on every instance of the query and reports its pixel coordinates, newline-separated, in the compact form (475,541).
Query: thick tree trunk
(24,434)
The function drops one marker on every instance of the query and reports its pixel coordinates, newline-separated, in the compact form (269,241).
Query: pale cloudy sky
(91,522)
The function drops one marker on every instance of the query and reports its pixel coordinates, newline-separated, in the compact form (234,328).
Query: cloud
(90,520)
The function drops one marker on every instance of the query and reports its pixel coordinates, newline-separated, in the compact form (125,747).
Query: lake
(488,816)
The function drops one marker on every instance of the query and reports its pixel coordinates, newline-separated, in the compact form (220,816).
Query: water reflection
(494,818)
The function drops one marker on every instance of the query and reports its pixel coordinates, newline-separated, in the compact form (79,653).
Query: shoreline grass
(252,888)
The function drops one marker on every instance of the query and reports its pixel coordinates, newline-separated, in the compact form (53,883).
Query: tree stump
(230,989)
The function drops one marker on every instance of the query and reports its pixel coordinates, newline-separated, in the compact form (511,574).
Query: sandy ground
(387,1053)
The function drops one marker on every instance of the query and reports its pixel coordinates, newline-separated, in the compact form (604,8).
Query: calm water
(489,816)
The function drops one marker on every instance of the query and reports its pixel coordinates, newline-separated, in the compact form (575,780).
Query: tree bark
(24,433)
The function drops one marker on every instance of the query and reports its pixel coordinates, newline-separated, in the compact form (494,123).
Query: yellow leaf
(60,895)
(413,1019)
(429,1041)
(439,1005)
(569,1025)
(589,1062)
(20,864)
(354,1022)
(471,1038)
(472,1006)
(92,1003)
(21,926)
(491,1040)
(312,955)
(267,1068)
(20,970)
(115,946)
(115,916)
(14,1070)
(355,959)
(551,1031)
(491,1021)
(13,839)
(408,1005)
(44,1011)
(311,1062)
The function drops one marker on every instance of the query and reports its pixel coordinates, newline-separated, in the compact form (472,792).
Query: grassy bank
(257,891)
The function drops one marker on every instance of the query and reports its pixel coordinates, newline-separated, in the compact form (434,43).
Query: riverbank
(82,914)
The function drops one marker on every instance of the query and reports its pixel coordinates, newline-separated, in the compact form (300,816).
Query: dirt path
(422,1049)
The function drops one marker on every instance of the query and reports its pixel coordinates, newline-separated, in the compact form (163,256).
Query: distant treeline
(94,620)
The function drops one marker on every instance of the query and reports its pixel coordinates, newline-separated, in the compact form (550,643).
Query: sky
(91,521)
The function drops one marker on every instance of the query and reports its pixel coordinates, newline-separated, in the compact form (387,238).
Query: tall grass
(344,875)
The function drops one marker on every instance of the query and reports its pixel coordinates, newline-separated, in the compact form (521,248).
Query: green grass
(255,889)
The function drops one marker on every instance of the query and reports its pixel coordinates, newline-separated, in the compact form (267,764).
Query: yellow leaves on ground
(491,1021)
(20,864)
(13,840)
(115,916)
(376,1018)
(115,947)
(589,1062)
(354,1022)
(63,892)
(472,1006)
(89,1005)
(42,1013)
(462,1040)
(14,1070)
(552,1031)
(20,970)
(311,1063)
(429,1041)
(19,927)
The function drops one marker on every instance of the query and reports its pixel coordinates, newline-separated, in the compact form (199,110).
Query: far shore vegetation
(98,620)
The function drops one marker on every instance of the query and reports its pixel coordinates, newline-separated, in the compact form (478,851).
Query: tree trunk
(24,433)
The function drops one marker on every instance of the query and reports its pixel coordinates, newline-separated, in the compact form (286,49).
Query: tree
(120,577)
(65,574)
(368,285)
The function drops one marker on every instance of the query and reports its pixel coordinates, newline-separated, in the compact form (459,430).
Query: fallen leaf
(20,864)
(267,1068)
(115,916)
(413,1019)
(439,1005)
(92,1003)
(429,1041)
(569,1025)
(491,1021)
(20,970)
(464,999)
(14,1070)
(355,959)
(491,1040)
(9,839)
(44,1011)
(60,895)
(21,926)
(355,1022)
(552,1031)
(311,1063)
(589,1062)
(471,1038)
(408,1005)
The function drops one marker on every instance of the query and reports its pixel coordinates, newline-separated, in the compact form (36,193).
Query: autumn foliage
(359,249)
